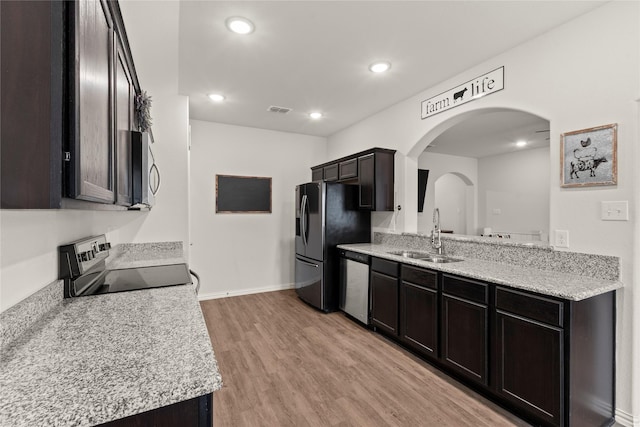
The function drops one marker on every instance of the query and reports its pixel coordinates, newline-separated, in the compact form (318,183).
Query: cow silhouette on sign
(459,95)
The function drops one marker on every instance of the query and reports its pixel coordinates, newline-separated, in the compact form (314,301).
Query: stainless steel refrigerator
(326,216)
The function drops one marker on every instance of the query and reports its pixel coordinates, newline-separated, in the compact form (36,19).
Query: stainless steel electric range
(83,268)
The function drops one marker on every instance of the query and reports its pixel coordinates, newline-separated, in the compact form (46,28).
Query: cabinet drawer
(383,266)
(331,172)
(533,307)
(348,169)
(420,276)
(467,289)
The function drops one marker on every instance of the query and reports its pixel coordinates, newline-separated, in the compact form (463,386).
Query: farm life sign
(488,83)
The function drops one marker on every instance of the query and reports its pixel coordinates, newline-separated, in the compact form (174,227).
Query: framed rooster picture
(588,157)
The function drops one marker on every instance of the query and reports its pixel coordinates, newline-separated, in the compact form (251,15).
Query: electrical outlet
(562,239)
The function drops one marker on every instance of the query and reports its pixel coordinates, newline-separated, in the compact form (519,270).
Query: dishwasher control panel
(355,256)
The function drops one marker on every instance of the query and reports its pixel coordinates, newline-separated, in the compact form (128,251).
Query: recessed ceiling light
(521,143)
(379,67)
(239,25)
(216,97)
(315,115)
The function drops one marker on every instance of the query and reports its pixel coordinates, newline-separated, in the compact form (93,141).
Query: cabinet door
(348,169)
(91,176)
(366,181)
(124,125)
(419,318)
(193,412)
(529,361)
(384,302)
(464,337)
(317,174)
(331,172)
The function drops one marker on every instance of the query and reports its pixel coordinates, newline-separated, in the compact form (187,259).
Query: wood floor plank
(284,363)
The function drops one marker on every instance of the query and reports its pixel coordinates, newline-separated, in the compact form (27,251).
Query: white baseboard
(625,419)
(226,294)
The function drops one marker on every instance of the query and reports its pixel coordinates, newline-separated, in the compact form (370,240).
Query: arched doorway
(506,186)
(455,199)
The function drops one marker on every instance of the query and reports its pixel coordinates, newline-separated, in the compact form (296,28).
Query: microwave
(144,171)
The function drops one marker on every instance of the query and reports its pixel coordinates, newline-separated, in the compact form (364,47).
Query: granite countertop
(563,285)
(145,255)
(94,359)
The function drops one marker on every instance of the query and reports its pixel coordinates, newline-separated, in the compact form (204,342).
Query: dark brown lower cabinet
(547,359)
(529,362)
(464,328)
(555,358)
(419,310)
(197,412)
(384,295)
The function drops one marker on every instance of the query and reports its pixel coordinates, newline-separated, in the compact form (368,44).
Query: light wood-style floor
(284,363)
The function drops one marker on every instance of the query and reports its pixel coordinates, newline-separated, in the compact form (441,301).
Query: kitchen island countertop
(552,283)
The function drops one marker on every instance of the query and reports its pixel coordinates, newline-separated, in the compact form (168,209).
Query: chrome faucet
(436,242)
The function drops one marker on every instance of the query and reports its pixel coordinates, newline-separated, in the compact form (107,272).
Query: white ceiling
(492,134)
(313,55)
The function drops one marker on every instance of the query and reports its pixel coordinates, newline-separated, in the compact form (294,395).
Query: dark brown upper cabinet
(32,103)
(68,94)
(91,71)
(124,124)
(348,169)
(330,173)
(317,175)
(372,170)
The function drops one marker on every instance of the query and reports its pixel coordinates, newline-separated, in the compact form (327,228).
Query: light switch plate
(562,239)
(615,211)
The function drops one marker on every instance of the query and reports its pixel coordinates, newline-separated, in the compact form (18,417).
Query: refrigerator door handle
(303,214)
(308,263)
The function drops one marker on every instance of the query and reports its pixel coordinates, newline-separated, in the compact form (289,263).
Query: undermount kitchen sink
(409,254)
(424,256)
(440,259)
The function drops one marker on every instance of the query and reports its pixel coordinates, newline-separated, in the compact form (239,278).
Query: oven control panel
(78,257)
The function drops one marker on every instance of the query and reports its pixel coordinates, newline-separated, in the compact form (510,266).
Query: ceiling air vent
(281,110)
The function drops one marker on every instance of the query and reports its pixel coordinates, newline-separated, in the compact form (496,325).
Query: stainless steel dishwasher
(354,285)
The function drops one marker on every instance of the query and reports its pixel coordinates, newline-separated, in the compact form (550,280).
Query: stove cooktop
(82,266)
(131,279)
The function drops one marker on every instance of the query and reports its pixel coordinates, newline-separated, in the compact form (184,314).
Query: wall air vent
(281,110)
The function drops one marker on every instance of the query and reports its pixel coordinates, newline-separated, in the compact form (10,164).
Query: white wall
(438,166)
(29,241)
(154,46)
(29,238)
(236,254)
(451,201)
(582,74)
(511,183)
